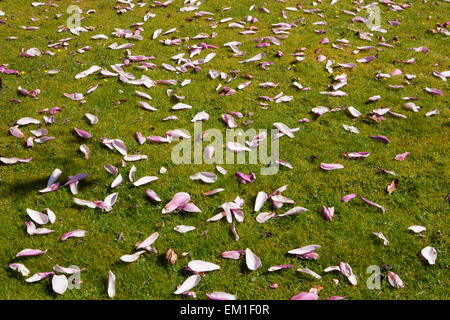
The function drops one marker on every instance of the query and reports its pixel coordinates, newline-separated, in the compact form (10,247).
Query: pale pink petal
(59,283)
(74,234)
(188,284)
(218,295)
(131,257)
(111,284)
(202,266)
(252,260)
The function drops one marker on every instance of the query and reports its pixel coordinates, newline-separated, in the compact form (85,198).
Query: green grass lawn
(420,198)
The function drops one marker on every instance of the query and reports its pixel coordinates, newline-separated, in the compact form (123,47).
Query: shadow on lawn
(21,189)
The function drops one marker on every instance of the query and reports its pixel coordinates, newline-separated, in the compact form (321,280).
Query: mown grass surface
(419,199)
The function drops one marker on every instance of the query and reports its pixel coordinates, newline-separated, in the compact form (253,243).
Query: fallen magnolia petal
(85,150)
(76,178)
(235,254)
(293,211)
(212,192)
(328,213)
(394,280)
(60,283)
(14,160)
(117,181)
(383,209)
(181,106)
(346,270)
(148,241)
(152,195)
(284,129)
(88,72)
(218,295)
(354,112)
(202,266)
(237,147)
(32,230)
(69,270)
(381,138)
(27,120)
(304,250)
(111,284)
(401,156)
(336,298)
(382,237)
(74,234)
(171,256)
(92,118)
(144,180)
(38,217)
(429,254)
(206,177)
(305,296)
(280,267)
(178,201)
(432,113)
(310,272)
(392,186)
(111,169)
(30,252)
(190,207)
(131,257)
(20,268)
(135,157)
(356,155)
(245,178)
(39,276)
(331,166)
(15,131)
(417,229)
(188,284)
(252,260)
(264,216)
(348,197)
(260,199)
(433,91)
(183,229)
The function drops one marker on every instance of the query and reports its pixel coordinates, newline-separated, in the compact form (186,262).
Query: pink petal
(202,266)
(252,260)
(217,295)
(131,257)
(305,296)
(152,195)
(178,200)
(74,234)
(232,254)
(348,197)
(188,284)
(111,284)
(149,241)
(429,254)
(373,204)
(30,252)
(331,166)
(401,156)
(60,283)
(280,267)
(394,280)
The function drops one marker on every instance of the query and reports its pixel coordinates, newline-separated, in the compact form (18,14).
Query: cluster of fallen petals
(196,57)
